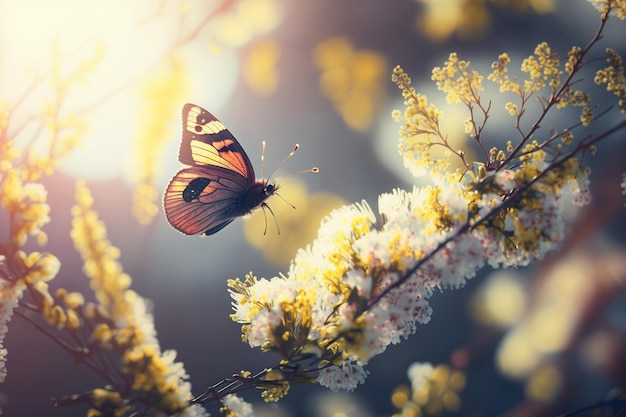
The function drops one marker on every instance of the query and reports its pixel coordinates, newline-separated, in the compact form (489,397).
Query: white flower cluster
(362,285)
(238,406)
(174,372)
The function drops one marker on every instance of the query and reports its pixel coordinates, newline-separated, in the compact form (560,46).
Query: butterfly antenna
(265,206)
(283,198)
(314,170)
(295,149)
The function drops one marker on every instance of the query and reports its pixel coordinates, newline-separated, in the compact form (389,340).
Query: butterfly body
(218,185)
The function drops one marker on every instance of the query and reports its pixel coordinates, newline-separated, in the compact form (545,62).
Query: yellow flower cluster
(123,323)
(107,403)
(25,200)
(617,7)
(434,391)
(26,203)
(420,130)
(63,131)
(119,322)
(517,232)
(291,304)
(542,69)
(108,279)
(28,211)
(613,77)
(460,82)
(499,75)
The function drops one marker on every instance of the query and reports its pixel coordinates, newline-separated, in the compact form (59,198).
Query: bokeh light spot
(352,80)
(259,69)
(501,301)
(544,384)
(248,19)
(515,356)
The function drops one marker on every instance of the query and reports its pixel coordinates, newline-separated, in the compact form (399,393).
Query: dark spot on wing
(195,188)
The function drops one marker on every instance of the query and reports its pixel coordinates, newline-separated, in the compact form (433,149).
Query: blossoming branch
(364,283)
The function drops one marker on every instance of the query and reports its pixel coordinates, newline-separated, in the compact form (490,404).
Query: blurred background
(543,340)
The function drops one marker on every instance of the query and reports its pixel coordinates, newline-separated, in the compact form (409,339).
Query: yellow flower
(152,373)
(458,80)
(27,205)
(421,129)
(39,266)
(617,7)
(614,78)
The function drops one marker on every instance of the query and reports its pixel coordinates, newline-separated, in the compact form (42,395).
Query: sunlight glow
(44,47)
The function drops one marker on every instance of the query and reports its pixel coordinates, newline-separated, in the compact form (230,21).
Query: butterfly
(218,184)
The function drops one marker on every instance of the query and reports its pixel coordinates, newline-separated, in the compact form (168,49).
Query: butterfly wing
(203,199)
(218,184)
(207,142)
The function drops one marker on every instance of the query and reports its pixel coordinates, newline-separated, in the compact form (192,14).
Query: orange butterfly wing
(207,142)
(219,184)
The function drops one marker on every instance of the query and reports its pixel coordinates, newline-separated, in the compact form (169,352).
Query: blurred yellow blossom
(440,19)
(248,18)
(160,96)
(64,130)
(100,257)
(144,206)
(353,80)
(434,391)
(539,6)
(26,203)
(259,67)
(152,375)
